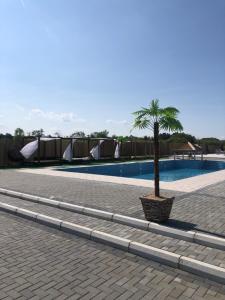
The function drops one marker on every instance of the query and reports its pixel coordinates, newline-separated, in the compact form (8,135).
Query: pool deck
(37,262)
(203,208)
(184,185)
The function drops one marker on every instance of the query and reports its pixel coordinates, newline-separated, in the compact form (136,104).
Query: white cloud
(117,122)
(66,117)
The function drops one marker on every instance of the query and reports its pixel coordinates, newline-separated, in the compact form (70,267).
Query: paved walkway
(41,263)
(203,210)
(180,247)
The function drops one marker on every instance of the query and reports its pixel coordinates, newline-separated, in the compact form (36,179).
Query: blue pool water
(170,170)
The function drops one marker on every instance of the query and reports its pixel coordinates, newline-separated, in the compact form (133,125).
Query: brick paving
(37,262)
(202,210)
(192,250)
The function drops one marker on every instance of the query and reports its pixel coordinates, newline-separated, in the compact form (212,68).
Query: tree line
(176,137)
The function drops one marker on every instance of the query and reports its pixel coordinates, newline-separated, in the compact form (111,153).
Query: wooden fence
(53,150)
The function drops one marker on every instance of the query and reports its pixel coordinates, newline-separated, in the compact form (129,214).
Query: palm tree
(156,118)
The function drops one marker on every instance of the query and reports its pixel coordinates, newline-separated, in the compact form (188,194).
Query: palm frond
(171,110)
(170,124)
(143,112)
(166,117)
(141,123)
(154,109)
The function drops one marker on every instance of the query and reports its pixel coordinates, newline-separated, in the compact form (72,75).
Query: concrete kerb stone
(98,213)
(159,255)
(71,207)
(49,221)
(210,241)
(32,198)
(10,193)
(202,269)
(142,224)
(76,229)
(28,214)
(110,239)
(172,232)
(49,202)
(19,195)
(191,236)
(3,191)
(8,208)
(162,256)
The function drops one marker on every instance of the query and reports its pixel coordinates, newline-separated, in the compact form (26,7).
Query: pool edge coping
(187,185)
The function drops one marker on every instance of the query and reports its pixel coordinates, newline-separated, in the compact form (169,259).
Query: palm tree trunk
(156,158)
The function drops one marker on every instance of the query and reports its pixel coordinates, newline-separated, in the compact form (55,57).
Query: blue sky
(88,64)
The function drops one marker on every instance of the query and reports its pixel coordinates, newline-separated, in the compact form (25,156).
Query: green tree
(19,132)
(78,134)
(39,132)
(182,138)
(155,118)
(100,134)
(57,134)
(8,135)
(210,141)
(164,136)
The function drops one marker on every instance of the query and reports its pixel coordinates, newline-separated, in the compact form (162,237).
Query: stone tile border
(162,256)
(190,236)
(183,185)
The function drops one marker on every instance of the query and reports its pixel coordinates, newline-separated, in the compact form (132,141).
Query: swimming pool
(170,170)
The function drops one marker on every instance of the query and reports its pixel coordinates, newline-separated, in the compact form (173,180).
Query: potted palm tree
(157,208)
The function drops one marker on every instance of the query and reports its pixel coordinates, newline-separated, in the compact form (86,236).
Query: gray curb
(137,223)
(110,239)
(71,207)
(98,213)
(49,221)
(200,268)
(155,254)
(76,229)
(190,236)
(209,240)
(28,214)
(172,232)
(165,257)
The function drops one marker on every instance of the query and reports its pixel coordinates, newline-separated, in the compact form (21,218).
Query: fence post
(99,150)
(39,149)
(135,148)
(115,144)
(60,150)
(71,145)
(55,146)
(88,146)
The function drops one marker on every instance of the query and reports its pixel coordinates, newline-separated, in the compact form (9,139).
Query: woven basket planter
(157,210)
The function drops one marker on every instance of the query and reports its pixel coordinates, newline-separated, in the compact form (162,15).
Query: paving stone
(75,249)
(31,252)
(191,250)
